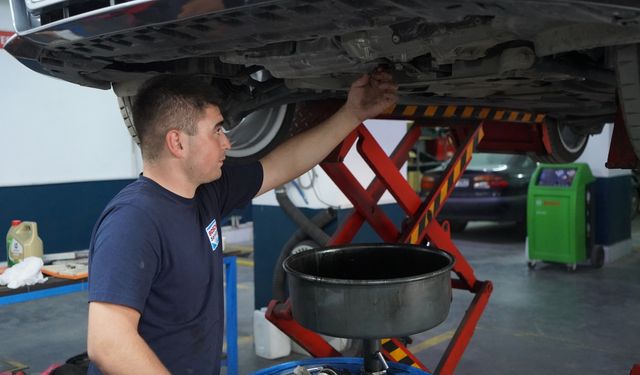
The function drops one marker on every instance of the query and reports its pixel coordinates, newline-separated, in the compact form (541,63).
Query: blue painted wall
(613,209)
(65,213)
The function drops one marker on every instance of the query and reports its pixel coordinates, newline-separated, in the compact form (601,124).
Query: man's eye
(221,130)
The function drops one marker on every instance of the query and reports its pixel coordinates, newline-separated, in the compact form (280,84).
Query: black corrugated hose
(308,228)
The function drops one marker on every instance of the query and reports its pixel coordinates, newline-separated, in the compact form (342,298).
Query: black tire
(256,135)
(627,60)
(596,257)
(126,104)
(566,144)
(457,226)
(531,264)
(635,201)
(521,228)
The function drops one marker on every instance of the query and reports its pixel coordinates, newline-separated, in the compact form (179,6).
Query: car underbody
(555,57)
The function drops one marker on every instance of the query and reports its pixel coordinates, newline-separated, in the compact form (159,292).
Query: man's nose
(226,144)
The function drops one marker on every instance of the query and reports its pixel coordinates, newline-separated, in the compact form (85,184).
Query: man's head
(169,102)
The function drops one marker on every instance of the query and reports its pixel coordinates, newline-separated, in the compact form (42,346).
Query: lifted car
(576,61)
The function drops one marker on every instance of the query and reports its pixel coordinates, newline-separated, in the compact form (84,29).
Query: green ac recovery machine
(561,215)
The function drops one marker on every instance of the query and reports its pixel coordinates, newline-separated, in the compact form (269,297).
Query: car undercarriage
(560,58)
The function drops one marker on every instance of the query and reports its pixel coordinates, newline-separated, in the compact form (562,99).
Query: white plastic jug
(269,341)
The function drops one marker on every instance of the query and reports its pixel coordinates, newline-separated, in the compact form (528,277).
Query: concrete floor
(546,321)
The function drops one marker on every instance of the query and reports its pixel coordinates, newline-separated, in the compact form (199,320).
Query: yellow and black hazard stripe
(452,175)
(396,352)
(464,112)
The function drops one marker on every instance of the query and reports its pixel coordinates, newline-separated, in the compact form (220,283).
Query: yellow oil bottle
(23,241)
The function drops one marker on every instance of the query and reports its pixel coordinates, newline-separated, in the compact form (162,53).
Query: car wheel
(627,60)
(259,132)
(566,145)
(597,256)
(255,135)
(126,104)
(457,226)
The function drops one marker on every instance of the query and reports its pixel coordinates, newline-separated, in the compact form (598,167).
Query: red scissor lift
(472,128)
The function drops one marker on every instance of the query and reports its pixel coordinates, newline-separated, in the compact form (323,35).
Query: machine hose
(307,227)
(312,230)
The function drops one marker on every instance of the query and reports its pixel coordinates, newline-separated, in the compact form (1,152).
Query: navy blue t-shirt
(161,254)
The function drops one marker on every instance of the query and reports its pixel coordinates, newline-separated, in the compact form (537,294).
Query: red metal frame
(499,131)
(421,225)
(621,153)
(365,208)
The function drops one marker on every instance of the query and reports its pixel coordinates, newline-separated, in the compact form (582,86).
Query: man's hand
(368,97)
(371,94)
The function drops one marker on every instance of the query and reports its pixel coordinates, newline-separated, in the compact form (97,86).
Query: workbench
(55,286)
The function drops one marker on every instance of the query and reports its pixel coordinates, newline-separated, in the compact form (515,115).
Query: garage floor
(546,321)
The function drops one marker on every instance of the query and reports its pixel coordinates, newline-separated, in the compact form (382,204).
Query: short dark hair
(169,102)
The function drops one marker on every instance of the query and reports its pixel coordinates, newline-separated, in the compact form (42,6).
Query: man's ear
(174,141)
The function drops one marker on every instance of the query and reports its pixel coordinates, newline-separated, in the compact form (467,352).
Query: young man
(155,270)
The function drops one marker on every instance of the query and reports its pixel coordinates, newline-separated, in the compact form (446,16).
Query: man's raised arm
(368,97)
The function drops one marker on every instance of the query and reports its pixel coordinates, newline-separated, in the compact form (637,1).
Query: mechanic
(155,267)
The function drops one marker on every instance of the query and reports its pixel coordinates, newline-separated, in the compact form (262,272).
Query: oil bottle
(23,241)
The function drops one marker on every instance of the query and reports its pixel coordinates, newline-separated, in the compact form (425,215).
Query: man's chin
(215,176)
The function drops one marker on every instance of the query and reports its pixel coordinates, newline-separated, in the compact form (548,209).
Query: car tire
(456,226)
(521,228)
(260,132)
(566,145)
(256,135)
(126,105)
(627,61)
(596,257)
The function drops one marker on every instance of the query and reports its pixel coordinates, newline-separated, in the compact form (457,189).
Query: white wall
(597,152)
(325,193)
(54,131)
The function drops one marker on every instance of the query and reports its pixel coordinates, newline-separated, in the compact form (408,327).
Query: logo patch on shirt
(212,234)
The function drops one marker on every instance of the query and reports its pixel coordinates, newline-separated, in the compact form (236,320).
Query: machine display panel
(556,177)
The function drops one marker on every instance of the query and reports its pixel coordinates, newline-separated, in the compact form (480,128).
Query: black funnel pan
(370,291)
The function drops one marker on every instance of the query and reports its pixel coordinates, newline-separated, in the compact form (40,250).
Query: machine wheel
(456,226)
(566,144)
(627,62)
(635,202)
(572,267)
(597,256)
(635,195)
(531,264)
(304,246)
